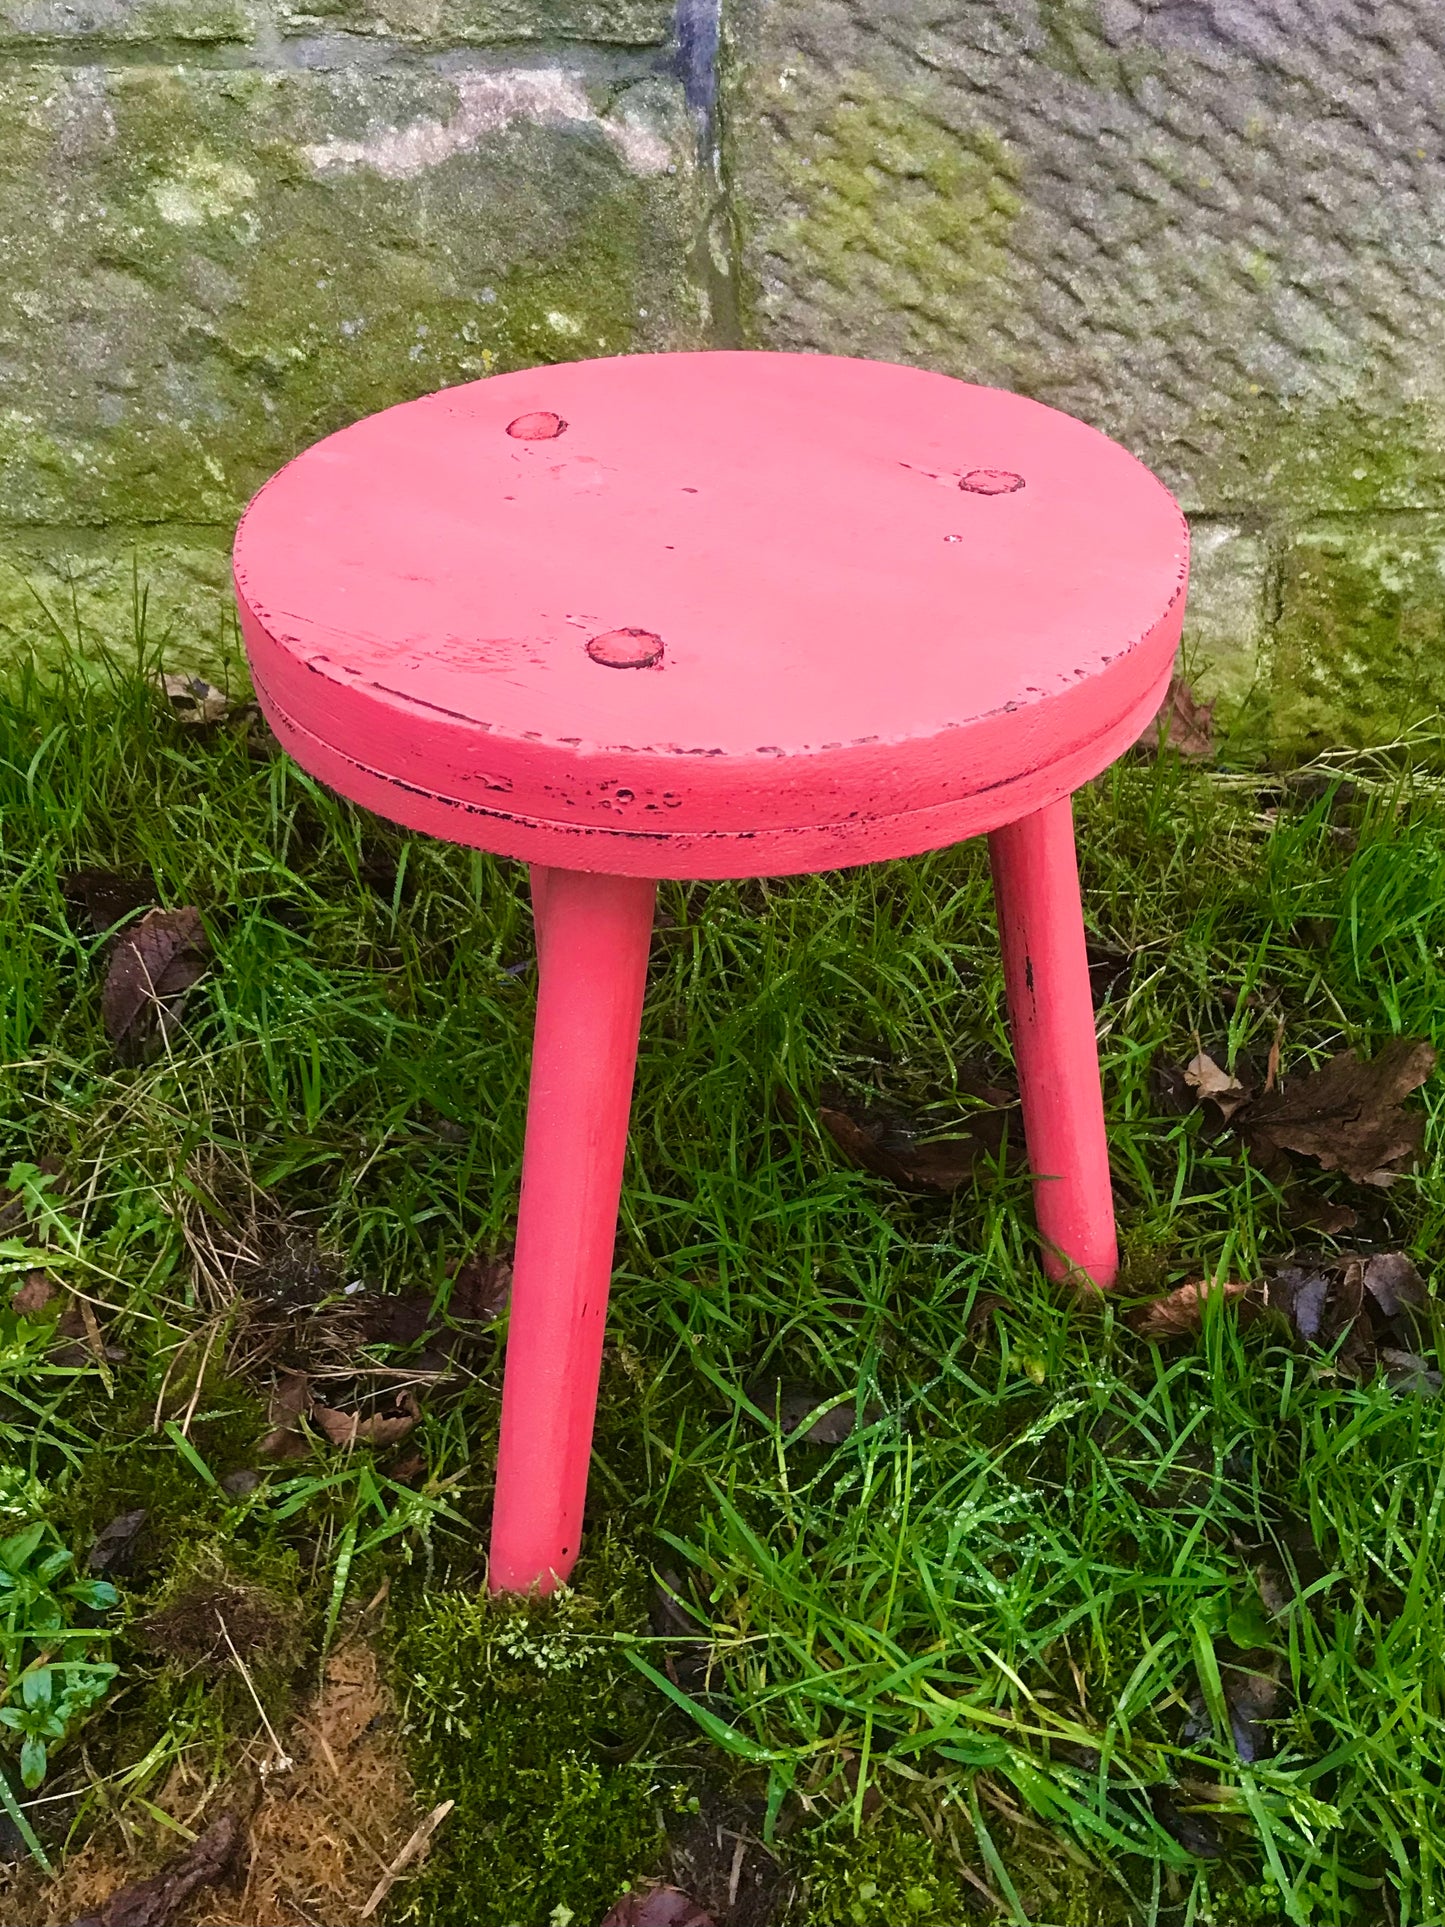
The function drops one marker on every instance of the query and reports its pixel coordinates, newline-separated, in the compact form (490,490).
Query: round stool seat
(711,615)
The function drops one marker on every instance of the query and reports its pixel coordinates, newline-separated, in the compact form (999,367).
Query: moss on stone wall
(889,210)
(1359,653)
(428,22)
(209,270)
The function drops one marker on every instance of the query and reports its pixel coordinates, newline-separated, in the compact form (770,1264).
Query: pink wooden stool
(716,615)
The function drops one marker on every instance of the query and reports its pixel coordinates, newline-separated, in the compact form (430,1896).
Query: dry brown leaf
(290,1398)
(481,1289)
(96,900)
(656,1907)
(35,1296)
(1252,1698)
(1394,1283)
(895,1151)
(152,966)
(1194,1831)
(382,1427)
(1181,723)
(115,1543)
(1363,1304)
(1348,1114)
(1180,1311)
(1211,1080)
(1409,1372)
(1325,1216)
(193,700)
(789,1401)
(155,1902)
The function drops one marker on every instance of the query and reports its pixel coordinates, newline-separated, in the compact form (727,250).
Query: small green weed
(50,1675)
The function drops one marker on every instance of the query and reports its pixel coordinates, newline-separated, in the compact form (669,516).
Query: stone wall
(1215,228)
(227,228)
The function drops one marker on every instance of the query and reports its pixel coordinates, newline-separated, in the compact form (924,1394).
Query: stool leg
(589,1006)
(1046,972)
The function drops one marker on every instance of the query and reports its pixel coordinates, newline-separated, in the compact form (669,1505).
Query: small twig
(408,1853)
(382,1371)
(95,1343)
(320,1738)
(1271,1075)
(176,1353)
(284,1762)
(981,1886)
(736,1875)
(200,1377)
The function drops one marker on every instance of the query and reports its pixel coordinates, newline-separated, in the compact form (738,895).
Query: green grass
(970,1648)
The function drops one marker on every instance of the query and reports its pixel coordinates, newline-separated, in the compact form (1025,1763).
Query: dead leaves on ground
(789,1402)
(1349,1115)
(1180,1313)
(321,1343)
(197,704)
(656,1907)
(194,701)
(481,1289)
(114,1546)
(151,963)
(910,1156)
(98,900)
(1366,1307)
(34,1298)
(78,1338)
(292,1400)
(1207,1080)
(210,1859)
(152,966)
(1252,1696)
(384,1425)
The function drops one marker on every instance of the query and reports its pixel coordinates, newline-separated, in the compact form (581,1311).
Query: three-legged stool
(716,615)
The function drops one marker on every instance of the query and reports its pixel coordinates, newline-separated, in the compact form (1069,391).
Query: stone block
(1225,631)
(476,22)
(436,23)
(1359,646)
(196,21)
(207,270)
(102,591)
(1215,230)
